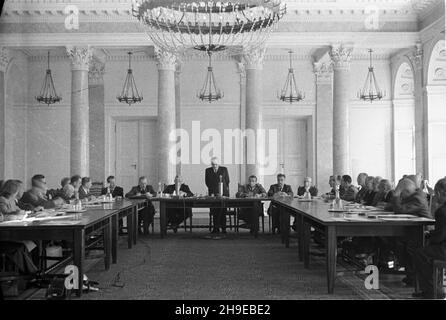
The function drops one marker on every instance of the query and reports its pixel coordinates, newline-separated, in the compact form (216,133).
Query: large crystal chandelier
(371,91)
(178,25)
(129,93)
(48,93)
(290,93)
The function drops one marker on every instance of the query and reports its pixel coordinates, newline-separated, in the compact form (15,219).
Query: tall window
(436,112)
(404,121)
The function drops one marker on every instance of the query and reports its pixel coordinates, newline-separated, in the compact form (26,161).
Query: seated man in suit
(362,186)
(84,190)
(407,199)
(213,176)
(36,196)
(71,189)
(19,202)
(252,189)
(350,191)
(144,189)
(54,193)
(176,216)
(280,189)
(307,188)
(436,248)
(112,188)
(384,195)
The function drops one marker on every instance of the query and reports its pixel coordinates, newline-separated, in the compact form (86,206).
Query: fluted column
(254,150)
(166,116)
(324,123)
(79,151)
(4,61)
(97,119)
(341,57)
(178,116)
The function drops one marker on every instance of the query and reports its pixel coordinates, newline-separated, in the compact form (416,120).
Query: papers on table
(379,217)
(41,216)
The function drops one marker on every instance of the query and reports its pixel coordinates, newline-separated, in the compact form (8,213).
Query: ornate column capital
(416,57)
(80,57)
(5,58)
(96,72)
(254,59)
(165,60)
(323,72)
(341,56)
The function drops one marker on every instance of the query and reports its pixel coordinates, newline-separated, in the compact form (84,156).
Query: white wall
(370,123)
(48,128)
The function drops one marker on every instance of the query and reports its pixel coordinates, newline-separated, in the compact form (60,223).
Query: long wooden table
(208,202)
(104,218)
(316,213)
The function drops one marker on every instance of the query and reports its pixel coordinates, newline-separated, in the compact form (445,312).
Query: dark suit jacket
(415,204)
(35,198)
(117,192)
(170,189)
(212,180)
(313,191)
(438,236)
(83,194)
(275,189)
(137,189)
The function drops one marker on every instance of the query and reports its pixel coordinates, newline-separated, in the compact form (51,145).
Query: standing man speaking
(213,177)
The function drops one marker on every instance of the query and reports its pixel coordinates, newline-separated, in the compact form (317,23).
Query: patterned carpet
(190,266)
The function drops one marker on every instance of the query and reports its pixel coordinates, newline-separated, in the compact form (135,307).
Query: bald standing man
(213,176)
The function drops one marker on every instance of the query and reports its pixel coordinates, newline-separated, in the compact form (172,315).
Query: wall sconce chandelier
(129,93)
(371,91)
(48,93)
(290,93)
(210,92)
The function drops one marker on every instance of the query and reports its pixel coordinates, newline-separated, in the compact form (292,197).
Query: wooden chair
(231,214)
(96,188)
(439,266)
(262,217)
(8,273)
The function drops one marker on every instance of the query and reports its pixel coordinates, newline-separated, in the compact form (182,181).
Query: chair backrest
(96,188)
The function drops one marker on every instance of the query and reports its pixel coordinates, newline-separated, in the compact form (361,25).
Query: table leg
(255,219)
(130,230)
(300,235)
(107,244)
(134,218)
(306,236)
(281,226)
(286,227)
(331,245)
(416,236)
(114,240)
(79,256)
(163,221)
